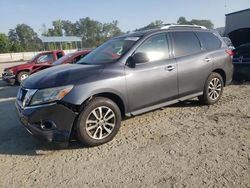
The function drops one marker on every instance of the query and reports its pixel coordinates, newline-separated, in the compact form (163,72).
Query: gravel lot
(185,145)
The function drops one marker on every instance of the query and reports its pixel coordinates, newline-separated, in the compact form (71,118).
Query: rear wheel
(213,89)
(99,122)
(22,76)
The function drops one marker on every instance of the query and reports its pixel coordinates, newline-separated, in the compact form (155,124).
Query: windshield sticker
(132,38)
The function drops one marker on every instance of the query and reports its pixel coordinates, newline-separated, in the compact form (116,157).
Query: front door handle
(170,68)
(207,59)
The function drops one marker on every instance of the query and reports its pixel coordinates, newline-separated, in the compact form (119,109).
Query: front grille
(7,73)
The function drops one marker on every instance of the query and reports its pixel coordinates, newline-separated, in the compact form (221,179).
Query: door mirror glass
(140,57)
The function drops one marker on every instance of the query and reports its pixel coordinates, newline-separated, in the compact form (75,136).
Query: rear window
(185,43)
(209,40)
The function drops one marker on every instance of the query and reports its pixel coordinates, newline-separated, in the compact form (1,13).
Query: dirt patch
(184,145)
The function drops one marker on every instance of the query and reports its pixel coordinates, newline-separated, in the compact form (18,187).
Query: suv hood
(62,75)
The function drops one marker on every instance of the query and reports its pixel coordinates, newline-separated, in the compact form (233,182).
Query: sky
(131,14)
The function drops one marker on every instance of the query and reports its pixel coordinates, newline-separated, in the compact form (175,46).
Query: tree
(16,47)
(69,28)
(110,30)
(207,23)
(5,44)
(182,21)
(15,43)
(24,36)
(153,25)
(90,31)
(57,29)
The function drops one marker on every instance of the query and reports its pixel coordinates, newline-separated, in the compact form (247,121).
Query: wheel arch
(110,95)
(222,73)
(22,70)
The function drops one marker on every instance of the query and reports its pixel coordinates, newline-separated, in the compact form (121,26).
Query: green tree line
(93,33)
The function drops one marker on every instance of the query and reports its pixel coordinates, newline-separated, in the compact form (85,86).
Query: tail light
(230,52)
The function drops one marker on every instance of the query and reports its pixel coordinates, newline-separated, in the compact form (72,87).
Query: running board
(154,107)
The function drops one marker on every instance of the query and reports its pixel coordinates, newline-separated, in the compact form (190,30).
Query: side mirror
(137,58)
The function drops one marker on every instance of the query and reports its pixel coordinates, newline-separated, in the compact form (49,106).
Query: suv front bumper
(33,118)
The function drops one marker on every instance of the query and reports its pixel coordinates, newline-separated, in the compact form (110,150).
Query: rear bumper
(33,119)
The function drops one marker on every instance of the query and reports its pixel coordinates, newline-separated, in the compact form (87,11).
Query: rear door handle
(170,68)
(207,59)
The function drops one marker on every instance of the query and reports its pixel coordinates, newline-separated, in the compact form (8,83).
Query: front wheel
(213,89)
(99,122)
(22,76)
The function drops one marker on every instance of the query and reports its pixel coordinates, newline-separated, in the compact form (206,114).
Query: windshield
(62,59)
(110,51)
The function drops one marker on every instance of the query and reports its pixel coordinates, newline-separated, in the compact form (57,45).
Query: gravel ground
(185,145)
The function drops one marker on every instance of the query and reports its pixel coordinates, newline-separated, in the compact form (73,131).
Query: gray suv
(127,75)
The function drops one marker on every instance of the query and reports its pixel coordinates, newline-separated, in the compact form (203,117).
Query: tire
(211,95)
(93,129)
(22,76)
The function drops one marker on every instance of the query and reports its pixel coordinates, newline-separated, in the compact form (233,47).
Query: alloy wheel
(24,76)
(100,122)
(214,88)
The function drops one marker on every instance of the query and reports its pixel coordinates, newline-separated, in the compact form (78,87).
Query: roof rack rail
(168,26)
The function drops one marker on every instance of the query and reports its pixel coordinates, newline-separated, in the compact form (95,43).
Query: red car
(68,59)
(21,72)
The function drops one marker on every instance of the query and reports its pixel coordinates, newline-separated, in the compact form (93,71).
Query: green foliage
(4,43)
(69,28)
(207,23)
(92,32)
(182,20)
(153,25)
(23,38)
(16,47)
(57,29)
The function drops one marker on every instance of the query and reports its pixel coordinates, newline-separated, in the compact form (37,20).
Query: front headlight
(50,95)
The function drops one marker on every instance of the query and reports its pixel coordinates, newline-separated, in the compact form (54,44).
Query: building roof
(238,12)
(61,39)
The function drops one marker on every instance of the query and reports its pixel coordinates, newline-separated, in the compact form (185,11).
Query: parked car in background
(241,62)
(126,76)
(19,73)
(67,59)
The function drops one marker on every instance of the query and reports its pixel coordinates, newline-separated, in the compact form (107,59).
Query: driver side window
(156,48)
(45,58)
